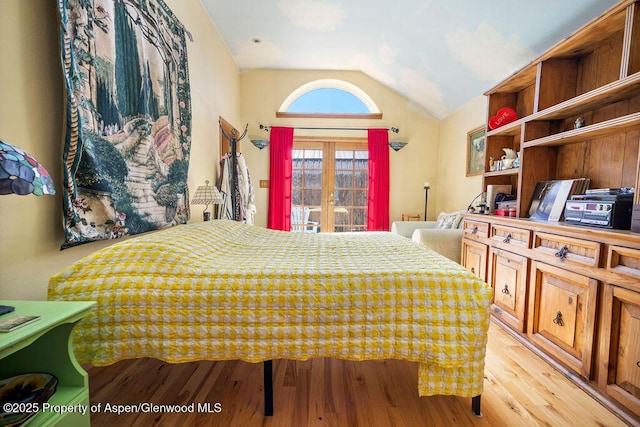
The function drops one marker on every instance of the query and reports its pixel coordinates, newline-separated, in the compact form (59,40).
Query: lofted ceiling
(439,54)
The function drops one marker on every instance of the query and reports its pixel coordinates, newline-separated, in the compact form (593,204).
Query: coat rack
(233,142)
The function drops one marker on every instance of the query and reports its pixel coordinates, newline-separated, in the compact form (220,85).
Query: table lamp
(206,195)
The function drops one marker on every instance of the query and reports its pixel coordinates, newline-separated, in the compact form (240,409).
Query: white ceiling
(440,54)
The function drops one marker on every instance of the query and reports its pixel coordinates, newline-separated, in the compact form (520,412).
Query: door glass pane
(306,190)
(351,186)
(360,198)
(344,179)
(361,177)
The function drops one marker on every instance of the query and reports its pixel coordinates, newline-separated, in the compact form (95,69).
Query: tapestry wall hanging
(128,118)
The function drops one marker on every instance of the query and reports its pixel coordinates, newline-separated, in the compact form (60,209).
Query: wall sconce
(206,195)
(260,143)
(397,145)
(21,173)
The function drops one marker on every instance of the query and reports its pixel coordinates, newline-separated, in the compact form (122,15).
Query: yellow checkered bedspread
(223,290)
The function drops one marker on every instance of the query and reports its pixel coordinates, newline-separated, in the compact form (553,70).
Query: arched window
(329,98)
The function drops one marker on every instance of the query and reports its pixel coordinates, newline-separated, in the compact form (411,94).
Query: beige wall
(456,190)
(31,117)
(264,91)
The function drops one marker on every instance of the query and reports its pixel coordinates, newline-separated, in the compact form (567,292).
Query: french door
(330,185)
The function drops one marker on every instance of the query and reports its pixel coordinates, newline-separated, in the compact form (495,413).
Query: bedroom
(31,233)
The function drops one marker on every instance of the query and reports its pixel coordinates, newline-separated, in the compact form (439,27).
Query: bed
(224,290)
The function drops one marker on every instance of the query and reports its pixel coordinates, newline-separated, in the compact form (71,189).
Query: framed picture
(475,151)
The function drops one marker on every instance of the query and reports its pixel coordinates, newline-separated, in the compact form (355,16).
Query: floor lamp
(426,198)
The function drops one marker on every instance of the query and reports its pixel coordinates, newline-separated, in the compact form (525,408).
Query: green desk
(45,346)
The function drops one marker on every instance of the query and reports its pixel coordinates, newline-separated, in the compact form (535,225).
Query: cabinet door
(619,373)
(474,258)
(561,317)
(508,278)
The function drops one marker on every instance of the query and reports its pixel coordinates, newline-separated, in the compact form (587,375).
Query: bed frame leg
(268,388)
(475,405)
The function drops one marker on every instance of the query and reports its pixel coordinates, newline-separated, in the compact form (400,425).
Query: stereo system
(606,208)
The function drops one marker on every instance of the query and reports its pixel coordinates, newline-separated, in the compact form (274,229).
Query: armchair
(445,241)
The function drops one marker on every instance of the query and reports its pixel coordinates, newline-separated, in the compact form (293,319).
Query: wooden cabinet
(45,346)
(578,116)
(562,313)
(570,293)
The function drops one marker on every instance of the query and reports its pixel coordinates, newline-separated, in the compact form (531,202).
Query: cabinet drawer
(561,315)
(560,250)
(624,261)
(620,348)
(510,237)
(476,230)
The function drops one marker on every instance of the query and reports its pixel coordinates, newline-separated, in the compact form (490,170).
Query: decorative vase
(508,153)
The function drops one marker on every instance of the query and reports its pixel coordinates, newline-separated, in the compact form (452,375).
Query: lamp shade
(21,173)
(260,143)
(397,145)
(206,195)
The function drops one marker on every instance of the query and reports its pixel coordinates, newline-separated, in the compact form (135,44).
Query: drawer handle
(638,363)
(473,270)
(558,320)
(506,290)
(475,229)
(562,253)
(507,239)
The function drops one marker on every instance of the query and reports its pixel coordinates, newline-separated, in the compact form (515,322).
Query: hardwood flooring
(520,390)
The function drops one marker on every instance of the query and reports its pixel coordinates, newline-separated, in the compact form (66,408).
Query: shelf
(609,127)
(583,40)
(517,81)
(510,129)
(504,172)
(608,94)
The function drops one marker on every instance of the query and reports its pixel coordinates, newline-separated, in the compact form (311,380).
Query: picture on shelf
(475,151)
(550,197)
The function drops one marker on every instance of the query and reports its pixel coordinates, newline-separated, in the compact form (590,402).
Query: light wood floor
(520,390)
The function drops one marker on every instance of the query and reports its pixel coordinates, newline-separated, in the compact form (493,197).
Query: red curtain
(378,205)
(280,172)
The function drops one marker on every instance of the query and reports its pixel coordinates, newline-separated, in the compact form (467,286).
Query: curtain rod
(266,128)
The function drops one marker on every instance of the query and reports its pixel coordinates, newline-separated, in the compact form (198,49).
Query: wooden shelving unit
(593,74)
(572,292)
